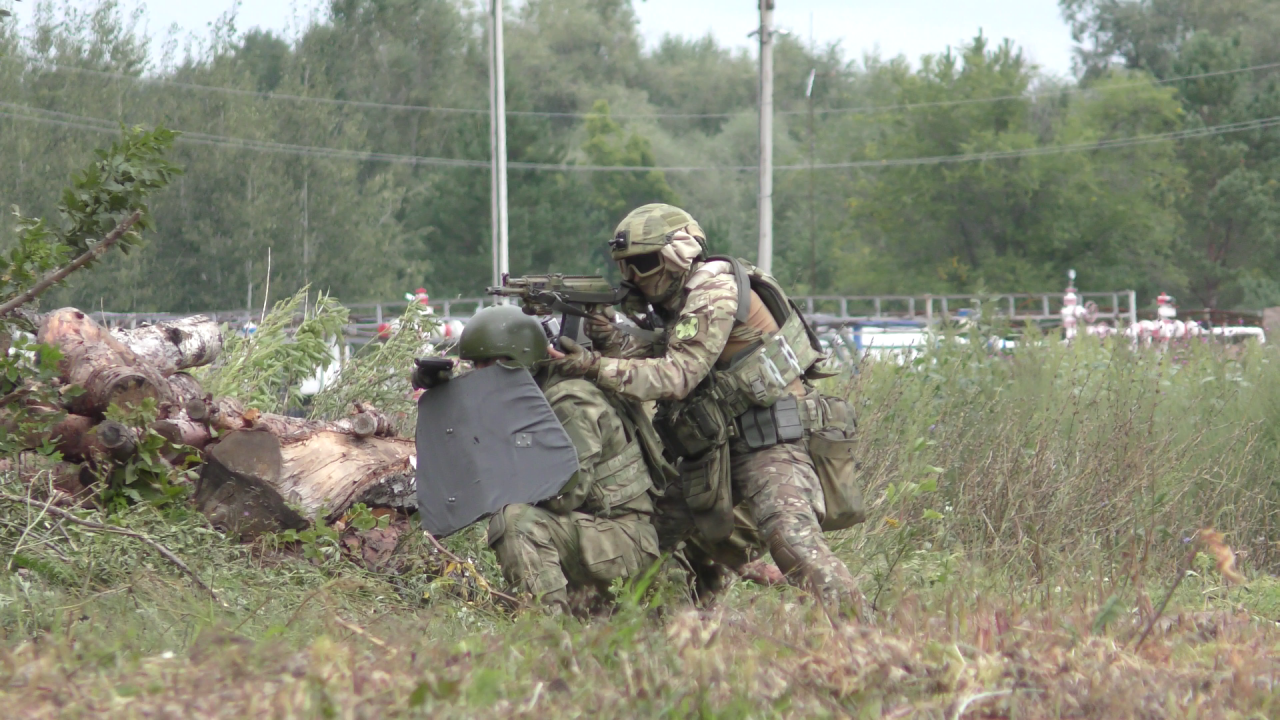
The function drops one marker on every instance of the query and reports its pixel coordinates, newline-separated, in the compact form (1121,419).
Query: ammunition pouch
(833,449)
(625,478)
(764,427)
(708,491)
(695,425)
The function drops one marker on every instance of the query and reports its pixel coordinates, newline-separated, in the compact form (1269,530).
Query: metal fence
(366,318)
(1120,307)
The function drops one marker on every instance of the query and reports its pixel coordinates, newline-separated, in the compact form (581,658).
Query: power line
(855,110)
(867,109)
(53,117)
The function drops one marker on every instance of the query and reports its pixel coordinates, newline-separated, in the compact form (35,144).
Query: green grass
(1026,513)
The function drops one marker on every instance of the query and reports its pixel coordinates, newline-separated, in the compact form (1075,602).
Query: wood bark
(256,481)
(72,435)
(175,345)
(108,371)
(119,439)
(366,421)
(182,430)
(227,414)
(262,472)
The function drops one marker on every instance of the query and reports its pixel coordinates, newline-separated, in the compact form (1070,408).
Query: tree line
(355,151)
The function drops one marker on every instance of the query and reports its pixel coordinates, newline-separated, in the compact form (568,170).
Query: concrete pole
(764,257)
(498,144)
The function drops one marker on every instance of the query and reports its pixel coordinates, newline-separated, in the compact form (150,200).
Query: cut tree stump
(255,481)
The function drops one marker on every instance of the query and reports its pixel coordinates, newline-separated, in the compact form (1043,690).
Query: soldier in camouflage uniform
(600,527)
(717,321)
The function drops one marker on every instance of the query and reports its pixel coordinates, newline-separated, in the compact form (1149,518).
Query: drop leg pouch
(834,454)
(709,492)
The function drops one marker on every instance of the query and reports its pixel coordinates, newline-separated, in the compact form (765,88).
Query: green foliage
(1225,243)
(319,543)
(618,193)
(987,226)
(378,374)
(148,476)
(360,517)
(99,198)
(110,189)
(1196,217)
(293,342)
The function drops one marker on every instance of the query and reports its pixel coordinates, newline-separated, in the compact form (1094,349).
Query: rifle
(573,297)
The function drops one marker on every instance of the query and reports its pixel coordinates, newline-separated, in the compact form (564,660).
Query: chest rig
(749,399)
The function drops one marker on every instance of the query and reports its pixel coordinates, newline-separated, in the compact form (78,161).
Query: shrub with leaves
(265,370)
(379,373)
(149,476)
(100,198)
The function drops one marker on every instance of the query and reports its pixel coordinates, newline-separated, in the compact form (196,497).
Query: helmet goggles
(636,267)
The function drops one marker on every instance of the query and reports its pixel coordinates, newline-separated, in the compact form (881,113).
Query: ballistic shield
(485,440)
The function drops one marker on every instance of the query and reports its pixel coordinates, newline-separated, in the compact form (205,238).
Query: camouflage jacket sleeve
(612,342)
(694,342)
(583,415)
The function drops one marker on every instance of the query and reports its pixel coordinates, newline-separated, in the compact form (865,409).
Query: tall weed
(1059,459)
(265,370)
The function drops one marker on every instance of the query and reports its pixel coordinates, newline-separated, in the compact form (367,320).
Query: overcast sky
(910,27)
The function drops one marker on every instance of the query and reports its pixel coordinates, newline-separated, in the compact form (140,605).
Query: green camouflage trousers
(780,488)
(546,555)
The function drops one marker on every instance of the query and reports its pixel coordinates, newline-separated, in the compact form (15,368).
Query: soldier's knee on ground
(526,553)
(613,549)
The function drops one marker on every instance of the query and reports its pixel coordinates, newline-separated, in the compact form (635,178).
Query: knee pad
(785,556)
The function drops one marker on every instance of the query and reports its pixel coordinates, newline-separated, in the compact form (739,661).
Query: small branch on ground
(449,554)
(165,552)
(1182,573)
(61,273)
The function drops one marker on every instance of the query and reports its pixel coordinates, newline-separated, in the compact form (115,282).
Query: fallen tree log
(227,414)
(255,481)
(184,391)
(180,429)
(119,439)
(72,435)
(108,371)
(175,345)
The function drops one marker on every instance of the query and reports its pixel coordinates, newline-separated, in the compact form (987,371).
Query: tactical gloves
(577,361)
(600,331)
(431,372)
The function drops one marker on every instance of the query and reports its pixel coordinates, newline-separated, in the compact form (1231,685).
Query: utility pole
(813,208)
(764,257)
(498,144)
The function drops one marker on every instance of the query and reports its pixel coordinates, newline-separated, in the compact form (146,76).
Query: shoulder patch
(686,328)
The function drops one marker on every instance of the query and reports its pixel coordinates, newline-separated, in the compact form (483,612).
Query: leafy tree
(1227,246)
(1015,223)
(620,192)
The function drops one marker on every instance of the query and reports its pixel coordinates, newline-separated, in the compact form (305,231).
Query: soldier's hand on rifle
(573,360)
(431,372)
(599,328)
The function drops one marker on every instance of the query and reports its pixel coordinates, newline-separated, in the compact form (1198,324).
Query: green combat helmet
(649,227)
(503,331)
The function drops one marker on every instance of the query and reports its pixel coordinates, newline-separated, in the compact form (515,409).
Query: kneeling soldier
(599,528)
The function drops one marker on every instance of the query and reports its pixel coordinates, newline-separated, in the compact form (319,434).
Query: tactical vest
(622,481)
(728,403)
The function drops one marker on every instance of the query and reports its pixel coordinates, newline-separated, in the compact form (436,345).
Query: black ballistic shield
(486,440)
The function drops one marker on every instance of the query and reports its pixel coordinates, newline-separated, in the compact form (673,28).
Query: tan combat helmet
(649,228)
